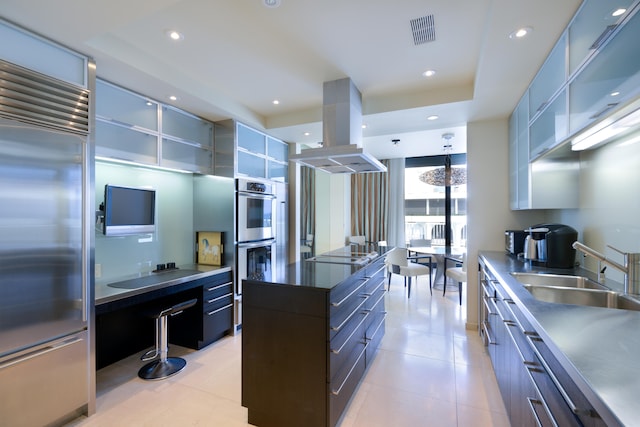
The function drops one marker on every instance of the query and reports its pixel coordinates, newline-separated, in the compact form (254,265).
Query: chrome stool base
(161,369)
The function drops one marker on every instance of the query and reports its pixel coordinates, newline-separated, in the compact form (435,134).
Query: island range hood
(341,151)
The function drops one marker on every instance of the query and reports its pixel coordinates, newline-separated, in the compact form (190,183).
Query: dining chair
(357,240)
(457,273)
(307,245)
(419,242)
(398,262)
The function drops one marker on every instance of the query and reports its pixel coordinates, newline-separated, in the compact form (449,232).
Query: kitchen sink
(566,281)
(583,296)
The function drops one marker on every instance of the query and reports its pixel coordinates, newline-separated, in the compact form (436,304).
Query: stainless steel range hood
(341,151)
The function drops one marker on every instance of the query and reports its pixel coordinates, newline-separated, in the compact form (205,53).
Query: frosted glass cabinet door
(120,105)
(277,149)
(251,165)
(591,25)
(549,128)
(513,160)
(612,76)
(251,140)
(123,143)
(549,79)
(187,127)
(186,157)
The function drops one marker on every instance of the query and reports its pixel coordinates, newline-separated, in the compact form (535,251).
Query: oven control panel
(254,187)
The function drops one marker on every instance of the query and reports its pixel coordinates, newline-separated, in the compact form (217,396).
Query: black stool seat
(165,366)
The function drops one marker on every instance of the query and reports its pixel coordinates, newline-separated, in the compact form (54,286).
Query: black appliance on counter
(514,241)
(549,245)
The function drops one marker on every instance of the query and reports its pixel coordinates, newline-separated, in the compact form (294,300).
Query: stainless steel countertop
(598,347)
(105,293)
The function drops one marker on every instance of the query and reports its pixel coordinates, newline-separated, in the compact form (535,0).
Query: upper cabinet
(134,128)
(241,151)
(609,79)
(44,56)
(591,27)
(549,79)
(592,70)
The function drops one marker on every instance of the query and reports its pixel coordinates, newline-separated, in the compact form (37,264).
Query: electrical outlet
(98,271)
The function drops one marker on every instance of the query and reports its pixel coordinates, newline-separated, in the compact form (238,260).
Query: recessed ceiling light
(520,32)
(175,35)
(173,97)
(307,133)
(618,12)
(616,93)
(149,103)
(271,3)
(364,126)
(429,73)
(433,117)
(276,102)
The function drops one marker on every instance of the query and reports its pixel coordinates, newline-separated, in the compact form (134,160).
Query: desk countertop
(153,281)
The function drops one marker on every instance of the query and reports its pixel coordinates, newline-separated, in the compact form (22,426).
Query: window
(431,208)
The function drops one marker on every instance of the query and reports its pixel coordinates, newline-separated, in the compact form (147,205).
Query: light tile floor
(429,371)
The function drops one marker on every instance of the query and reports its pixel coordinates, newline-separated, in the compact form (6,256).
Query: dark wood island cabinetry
(307,340)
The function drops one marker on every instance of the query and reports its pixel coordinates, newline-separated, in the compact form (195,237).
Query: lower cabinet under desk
(123,327)
(305,349)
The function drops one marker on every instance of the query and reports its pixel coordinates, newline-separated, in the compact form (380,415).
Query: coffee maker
(549,245)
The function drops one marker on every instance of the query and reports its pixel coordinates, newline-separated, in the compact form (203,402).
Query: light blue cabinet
(44,56)
(131,127)
(549,128)
(243,151)
(591,26)
(609,79)
(550,78)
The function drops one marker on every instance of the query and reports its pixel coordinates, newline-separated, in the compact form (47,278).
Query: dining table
(438,253)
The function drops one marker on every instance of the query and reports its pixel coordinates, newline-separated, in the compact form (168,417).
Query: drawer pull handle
(213,288)
(337,304)
(37,353)
(337,351)
(533,402)
(230,294)
(220,309)
(344,322)
(337,392)
(555,381)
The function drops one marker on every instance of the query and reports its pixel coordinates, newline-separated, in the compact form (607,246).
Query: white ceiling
(237,56)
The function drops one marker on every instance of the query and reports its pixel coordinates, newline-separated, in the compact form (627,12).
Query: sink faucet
(631,267)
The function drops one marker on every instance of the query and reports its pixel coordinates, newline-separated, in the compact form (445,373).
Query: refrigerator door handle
(38,353)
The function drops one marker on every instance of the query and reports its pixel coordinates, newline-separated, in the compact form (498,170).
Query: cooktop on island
(352,255)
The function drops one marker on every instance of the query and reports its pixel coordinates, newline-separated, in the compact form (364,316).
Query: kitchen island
(308,337)
(590,352)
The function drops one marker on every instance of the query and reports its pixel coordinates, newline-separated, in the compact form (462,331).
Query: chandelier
(448,175)
(441,177)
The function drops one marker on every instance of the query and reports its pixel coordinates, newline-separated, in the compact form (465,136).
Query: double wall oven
(256,247)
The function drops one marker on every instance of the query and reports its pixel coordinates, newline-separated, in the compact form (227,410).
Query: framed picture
(209,248)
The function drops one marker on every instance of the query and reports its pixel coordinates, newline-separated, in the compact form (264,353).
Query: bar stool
(165,366)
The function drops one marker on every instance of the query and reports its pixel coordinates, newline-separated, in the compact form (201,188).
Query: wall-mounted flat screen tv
(128,210)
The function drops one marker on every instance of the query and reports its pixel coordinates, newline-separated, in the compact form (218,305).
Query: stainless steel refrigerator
(45,249)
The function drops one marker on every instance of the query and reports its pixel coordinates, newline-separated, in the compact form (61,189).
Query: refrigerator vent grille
(34,98)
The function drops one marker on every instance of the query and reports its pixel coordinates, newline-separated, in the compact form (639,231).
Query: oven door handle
(257,244)
(256,195)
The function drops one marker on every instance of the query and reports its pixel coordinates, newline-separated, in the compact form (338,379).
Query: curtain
(395,233)
(369,205)
(308,198)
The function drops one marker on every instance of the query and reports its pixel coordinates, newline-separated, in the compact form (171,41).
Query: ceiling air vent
(423,29)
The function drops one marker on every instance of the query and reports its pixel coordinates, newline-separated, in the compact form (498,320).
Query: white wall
(488,212)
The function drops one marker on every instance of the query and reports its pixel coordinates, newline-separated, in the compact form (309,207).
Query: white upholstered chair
(398,262)
(306,247)
(457,273)
(357,240)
